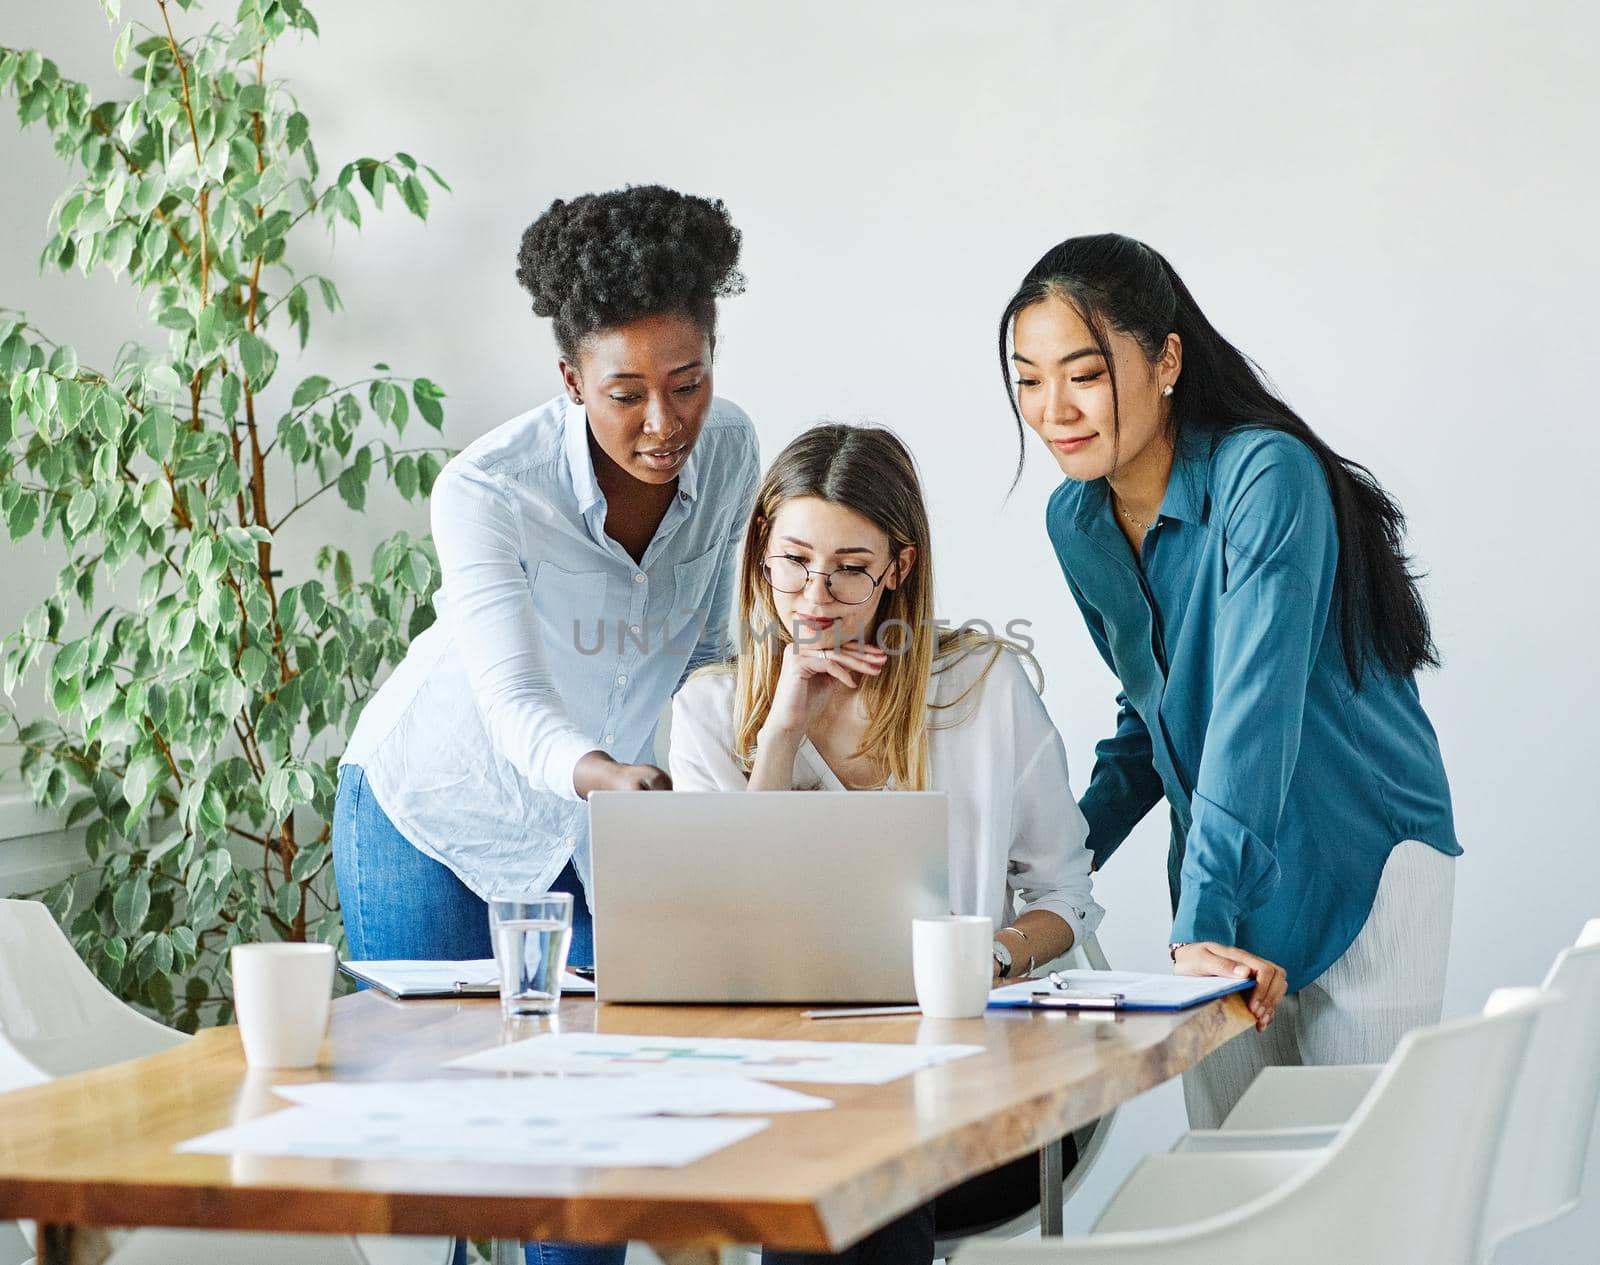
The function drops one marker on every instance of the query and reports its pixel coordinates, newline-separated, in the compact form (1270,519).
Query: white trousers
(1390,980)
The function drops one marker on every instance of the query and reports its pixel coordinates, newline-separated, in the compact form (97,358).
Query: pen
(863,1012)
(1079,1001)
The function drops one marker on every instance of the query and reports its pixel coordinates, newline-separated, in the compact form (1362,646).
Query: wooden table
(96,1149)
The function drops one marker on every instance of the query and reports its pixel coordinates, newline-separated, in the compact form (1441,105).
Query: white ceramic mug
(951,964)
(281,995)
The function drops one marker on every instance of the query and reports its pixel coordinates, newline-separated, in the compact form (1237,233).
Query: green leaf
(162,380)
(131,905)
(119,51)
(22,515)
(415,196)
(428,468)
(298,130)
(64,362)
(287,901)
(420,571)
(311,388)
(427,396)
(141,779)
(97,697)
(375,176)
(258,359)
(155,503)
(80,511)
(158,430)
(162,849)
(405,477)
(353,489)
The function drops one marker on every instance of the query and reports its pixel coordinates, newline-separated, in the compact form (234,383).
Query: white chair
(56,1018)
(1403,1182)
(1539,1174)
(1090,1140)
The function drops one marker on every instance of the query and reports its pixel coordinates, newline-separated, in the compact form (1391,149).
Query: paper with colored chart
(612,1054)
(551,1097)
(624,1142)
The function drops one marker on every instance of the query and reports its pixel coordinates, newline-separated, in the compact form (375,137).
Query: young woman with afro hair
(588,551)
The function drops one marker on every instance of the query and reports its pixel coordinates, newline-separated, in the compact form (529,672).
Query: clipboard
(1115,991)
(420,981)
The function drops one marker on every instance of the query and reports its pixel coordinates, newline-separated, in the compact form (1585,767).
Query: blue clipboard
(1092,995)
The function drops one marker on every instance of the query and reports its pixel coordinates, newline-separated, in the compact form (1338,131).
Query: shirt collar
(580,463)
(1187,498)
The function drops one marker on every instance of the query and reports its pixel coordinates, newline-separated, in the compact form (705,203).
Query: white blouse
(1015,827)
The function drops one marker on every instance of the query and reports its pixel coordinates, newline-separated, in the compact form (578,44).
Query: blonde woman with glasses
(844,682)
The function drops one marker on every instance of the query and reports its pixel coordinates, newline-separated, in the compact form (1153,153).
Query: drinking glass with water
(531,937)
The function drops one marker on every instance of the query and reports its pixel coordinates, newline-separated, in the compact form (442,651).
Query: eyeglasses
(850,585)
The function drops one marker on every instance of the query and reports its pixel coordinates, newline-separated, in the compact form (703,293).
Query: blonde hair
(869,470)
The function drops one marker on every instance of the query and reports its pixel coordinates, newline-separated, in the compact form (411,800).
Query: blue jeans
(399,904)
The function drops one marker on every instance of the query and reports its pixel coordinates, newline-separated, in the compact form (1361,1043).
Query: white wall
(1391,207)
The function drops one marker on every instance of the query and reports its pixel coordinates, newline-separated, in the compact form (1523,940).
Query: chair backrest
(1410,1170)
(55,1016)
(1540,1171)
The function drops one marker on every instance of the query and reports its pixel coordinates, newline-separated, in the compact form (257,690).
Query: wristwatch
(1002,955)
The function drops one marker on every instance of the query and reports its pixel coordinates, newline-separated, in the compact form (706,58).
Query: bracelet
(1172,949)
(1031,963)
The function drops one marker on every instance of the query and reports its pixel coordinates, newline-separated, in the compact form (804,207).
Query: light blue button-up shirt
(550,642)
(1288,787)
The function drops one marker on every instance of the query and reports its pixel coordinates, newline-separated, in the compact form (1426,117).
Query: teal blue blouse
(1288,786)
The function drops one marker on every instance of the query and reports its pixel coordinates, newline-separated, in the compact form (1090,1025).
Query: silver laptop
(771,896)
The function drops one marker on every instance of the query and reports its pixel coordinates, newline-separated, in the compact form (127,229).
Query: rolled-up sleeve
(494,628)
(1049,861)
(1282,550)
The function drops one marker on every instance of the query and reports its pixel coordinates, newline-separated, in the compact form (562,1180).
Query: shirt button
(623,679)
(634,629)
(610,738)
(638,577)
(684,497)
(569,842)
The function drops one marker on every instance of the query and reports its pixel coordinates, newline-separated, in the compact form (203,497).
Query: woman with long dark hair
(1249,588)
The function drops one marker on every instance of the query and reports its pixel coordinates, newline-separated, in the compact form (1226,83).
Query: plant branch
(387,460)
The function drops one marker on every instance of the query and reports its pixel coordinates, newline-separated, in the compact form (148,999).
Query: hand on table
(1208,958)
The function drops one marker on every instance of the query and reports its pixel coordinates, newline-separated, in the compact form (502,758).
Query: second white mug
(951,964)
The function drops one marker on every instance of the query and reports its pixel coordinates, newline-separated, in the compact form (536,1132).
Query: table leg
(679,1255)
(71,1245)
(1050,1179)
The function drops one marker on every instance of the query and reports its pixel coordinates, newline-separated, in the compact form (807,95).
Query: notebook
(475,978)
(1115,990)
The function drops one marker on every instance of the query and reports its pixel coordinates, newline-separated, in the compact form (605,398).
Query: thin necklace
(1139,523)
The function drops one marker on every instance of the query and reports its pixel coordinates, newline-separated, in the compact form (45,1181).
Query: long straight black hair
(1118,283)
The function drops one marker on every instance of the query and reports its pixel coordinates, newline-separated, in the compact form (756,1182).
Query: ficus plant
(199,684)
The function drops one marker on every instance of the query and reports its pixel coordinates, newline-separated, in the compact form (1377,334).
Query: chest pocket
(570,605)
(693,582)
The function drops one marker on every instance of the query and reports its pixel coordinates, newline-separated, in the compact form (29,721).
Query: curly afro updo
(604,259)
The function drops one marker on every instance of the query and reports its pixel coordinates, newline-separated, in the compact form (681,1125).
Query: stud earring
(1167,390)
